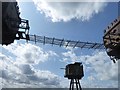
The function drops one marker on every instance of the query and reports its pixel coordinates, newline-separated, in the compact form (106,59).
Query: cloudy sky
(37,65)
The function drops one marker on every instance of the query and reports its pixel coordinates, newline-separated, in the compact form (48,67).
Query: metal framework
(22,25)
(111,40)
(72,84)
(65,43)
(112,34)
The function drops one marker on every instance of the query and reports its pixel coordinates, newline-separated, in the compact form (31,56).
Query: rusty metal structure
(13,27)
(111,40)
(75,73)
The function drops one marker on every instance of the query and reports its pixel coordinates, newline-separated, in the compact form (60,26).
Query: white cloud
(98,66)
(66,11)
(24,75)
(90,78)
(26,69)
(71,55)
(28,53)
(104,68)
(19,71)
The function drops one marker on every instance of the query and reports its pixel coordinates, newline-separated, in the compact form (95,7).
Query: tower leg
(70,85)
(78,86)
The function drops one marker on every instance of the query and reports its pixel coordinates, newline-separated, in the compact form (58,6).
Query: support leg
(70,85)
(76,84)
(79,85)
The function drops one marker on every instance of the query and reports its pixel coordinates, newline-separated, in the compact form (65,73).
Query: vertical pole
(76,83)
(44,40)
(70,85)
(79,85)
(35,38)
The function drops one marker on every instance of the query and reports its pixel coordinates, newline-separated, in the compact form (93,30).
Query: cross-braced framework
(22,24)
(66,43)
(72,84)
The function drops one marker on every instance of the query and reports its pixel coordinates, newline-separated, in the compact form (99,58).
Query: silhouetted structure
(12,23)
(75,73)
(111,40)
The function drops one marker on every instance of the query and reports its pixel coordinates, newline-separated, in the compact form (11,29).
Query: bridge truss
(65,43)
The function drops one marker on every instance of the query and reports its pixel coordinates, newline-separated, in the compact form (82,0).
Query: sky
(37,65)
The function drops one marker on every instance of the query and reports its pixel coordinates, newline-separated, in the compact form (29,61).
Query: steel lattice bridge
(65,43)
